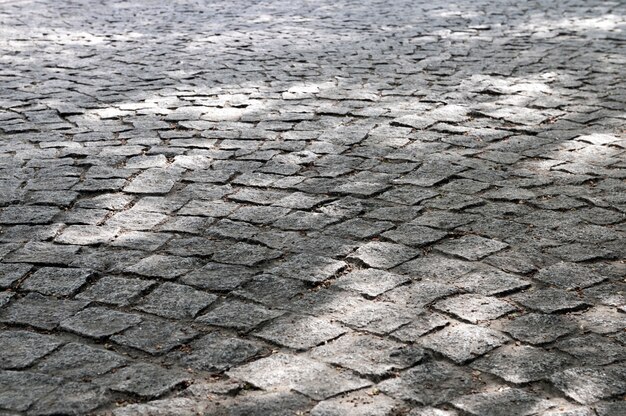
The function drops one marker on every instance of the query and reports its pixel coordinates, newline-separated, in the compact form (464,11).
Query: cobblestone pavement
(312,207)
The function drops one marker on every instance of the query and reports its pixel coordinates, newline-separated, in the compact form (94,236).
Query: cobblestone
(327,208)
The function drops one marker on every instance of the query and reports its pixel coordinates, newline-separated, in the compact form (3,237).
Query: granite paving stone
(19,349)
(311,378)
(10,273)
(521,364)
(300,332)
(462,342)
(217,352)
(143,379)
(239,315)
(504,402)
(115,290)
(309,268)
(20,389)
(79,361)
(218,277)
(72,398)
(593,349)
(56,281)
(155,336)
(87,234)
(384,255)
(359,403)
(312,207)
(172,300)
(431,383)
(39,311)
(587,385)
(99,322)
(368,355)
(474,308)
(471,247)
(536,328)
(166,267)
(570,276)
(370,282)
(550,300)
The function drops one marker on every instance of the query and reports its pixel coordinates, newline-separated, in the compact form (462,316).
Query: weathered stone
(115,290)
(56,281)
(536,328)
(471,247)
(99,322)
(474,308)
(19,390)
(171,300)
(384,255)
(216,352)
(502,403)
(316,380)
(587,385)
(143,379)
(79,361)
(463,342)
(239,315)
(549,300)
(520,364)
(19,349)
(357,404)
(430,383)
(300,331)
(371,282)
(308,268)
(40,311)
(368,355)
(155,336)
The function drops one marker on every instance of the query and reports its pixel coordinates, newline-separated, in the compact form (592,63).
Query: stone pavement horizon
(312,207)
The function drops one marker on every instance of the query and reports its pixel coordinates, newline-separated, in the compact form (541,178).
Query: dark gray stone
(521,364)
(216,352)
(155,336)
(368,355)
(115,290)
(40,311)
(475,308)
(358,404)
(171,300)
(73,398)
(370,282)
(316,380)
(570,276)
(431,383)
(471,247)
(587,385)
(56,281)
(502,403)
(300,331)
(549,300)
(10,273)
(383,255)
(19,349)
(142,379)
(535,328)
(78,361)
(99,322)
(309,268)
(19,390)
(462,342)
(238,315)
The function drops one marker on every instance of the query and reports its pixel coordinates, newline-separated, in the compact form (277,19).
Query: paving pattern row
(313,207)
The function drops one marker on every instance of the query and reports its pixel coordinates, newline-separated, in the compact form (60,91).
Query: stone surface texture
(350,207)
